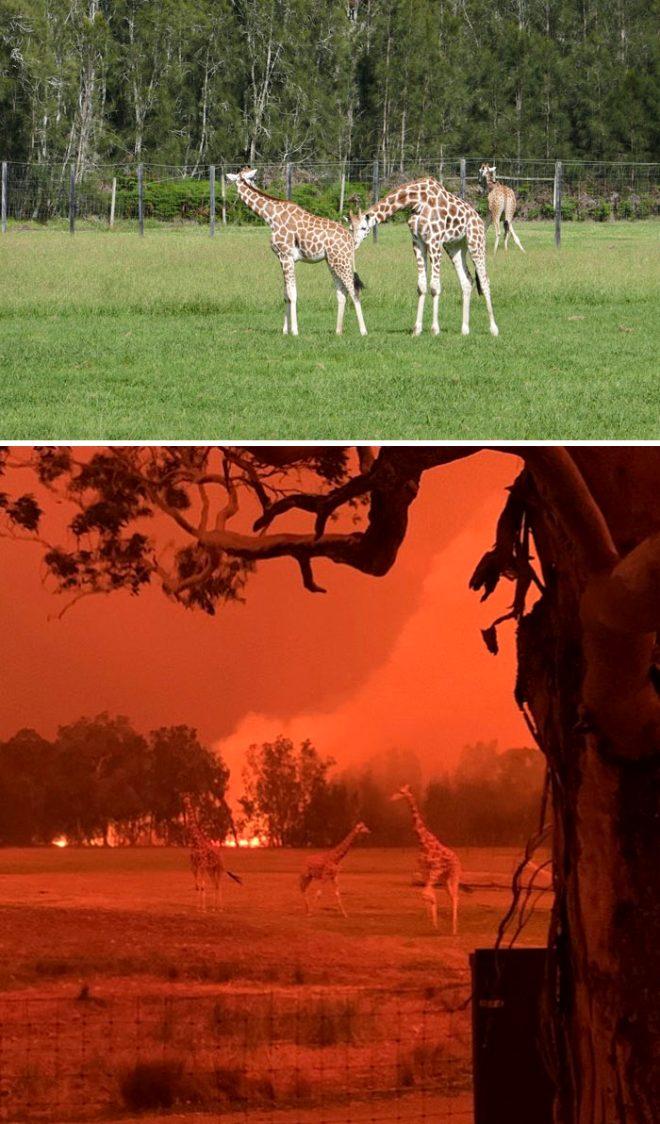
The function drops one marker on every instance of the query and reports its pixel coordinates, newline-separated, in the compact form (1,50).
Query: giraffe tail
(235,877)
(506,226)
(358,283)
(479,289)
(305,880)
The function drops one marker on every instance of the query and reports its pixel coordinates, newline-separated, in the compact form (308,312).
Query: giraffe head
(362,829)
(360,225)
(248,174)
(486,173)
(402,793)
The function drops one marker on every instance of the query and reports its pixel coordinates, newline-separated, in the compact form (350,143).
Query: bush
(602,212)
(152,1085)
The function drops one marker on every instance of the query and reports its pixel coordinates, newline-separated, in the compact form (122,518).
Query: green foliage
(211,80)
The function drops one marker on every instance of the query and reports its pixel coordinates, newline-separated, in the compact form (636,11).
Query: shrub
(602,212)
(153,1085)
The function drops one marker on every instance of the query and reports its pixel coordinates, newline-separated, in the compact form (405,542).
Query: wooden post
(375,189)
(558,178)
(223,193)
(113,200)
(72,200)
(140,200)
(212,200)
(462,192)
(4,196)
(289,180)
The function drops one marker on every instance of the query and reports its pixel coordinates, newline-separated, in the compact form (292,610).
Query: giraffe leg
(496,224)
(452,890)
(431,903)
(515,236)
(344,275)
(341,305)
(335,886)
(436,288)
(290,295)
(477,248)
(459,261)
(419,250)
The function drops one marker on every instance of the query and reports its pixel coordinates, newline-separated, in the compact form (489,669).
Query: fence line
(108,194)
(356,1054)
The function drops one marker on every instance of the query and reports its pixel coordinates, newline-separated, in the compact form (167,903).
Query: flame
(253,841)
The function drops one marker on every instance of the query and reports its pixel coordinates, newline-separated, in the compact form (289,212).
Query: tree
(284,789)
(581,526)
(179,767)
(26,814)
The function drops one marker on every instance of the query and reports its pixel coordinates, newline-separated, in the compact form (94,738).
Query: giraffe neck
(263,205)
(342,849)
(405,196)
(418,823)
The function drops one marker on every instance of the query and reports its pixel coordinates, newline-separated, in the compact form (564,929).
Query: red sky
(373,664)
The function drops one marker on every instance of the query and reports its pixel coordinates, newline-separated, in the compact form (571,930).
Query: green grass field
(106,335)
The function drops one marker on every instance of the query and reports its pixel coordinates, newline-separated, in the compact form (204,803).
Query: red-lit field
(106,962)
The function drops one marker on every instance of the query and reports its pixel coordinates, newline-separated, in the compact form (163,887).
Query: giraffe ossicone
(297,235)
(439,221)
(440,865)
(324,868)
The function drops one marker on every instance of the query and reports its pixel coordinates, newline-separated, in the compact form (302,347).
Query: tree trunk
(605,939)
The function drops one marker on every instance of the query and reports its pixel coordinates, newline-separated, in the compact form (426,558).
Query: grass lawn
(257,1010)
(106,335)
(83,914)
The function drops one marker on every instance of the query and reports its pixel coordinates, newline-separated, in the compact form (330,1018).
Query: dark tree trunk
(603,1013)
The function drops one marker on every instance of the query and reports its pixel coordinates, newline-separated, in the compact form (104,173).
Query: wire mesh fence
(332,1055)
(199,195)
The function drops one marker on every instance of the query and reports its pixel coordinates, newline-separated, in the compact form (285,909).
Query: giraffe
(500,199)
(439,221)
(325,867)
(205,860)
(298,235)
(439,863)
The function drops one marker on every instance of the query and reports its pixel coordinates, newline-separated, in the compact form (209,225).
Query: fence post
(113,200)
(289,180)
(4,196)
(558,177)
(462,177)
(72,200)
(376,188)
(223,193)
(212,200)
(140,200)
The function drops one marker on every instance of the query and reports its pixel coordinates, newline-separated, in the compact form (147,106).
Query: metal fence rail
(107,195)
(345,1055)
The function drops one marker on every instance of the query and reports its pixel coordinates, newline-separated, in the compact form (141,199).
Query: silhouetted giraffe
(324,868)
(205,859)
(500,199)
(439,221)
(439,863)
(301,236)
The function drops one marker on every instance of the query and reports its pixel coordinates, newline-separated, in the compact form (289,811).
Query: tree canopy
(206,81)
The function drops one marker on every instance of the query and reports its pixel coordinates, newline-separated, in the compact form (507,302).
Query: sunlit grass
(179,336)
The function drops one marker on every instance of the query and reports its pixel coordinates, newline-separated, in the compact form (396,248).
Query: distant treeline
(206,81)
(101,781)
